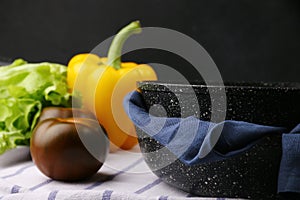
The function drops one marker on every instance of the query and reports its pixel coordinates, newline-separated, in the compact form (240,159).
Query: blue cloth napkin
(195,141)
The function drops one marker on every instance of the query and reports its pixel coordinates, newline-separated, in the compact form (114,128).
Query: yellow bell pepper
(103,84)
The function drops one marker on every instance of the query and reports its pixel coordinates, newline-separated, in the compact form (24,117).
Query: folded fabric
(123,176)
(195,141)
(289,175)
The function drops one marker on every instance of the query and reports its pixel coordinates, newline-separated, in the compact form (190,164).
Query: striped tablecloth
(124,175)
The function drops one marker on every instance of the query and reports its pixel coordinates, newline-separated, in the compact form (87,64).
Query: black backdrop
(248,39)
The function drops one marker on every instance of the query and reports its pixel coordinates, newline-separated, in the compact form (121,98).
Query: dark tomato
(69,149)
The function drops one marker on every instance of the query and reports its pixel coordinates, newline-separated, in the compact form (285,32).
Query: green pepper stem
(115,50)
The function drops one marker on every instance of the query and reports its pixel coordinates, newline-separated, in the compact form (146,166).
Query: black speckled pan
(252,174)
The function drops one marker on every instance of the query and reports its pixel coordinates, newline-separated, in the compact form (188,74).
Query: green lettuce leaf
(25,89)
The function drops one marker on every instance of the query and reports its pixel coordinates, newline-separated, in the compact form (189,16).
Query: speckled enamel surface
(252,174)
(274,104)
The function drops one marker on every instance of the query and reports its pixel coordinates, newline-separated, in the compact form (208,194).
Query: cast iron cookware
(253,173)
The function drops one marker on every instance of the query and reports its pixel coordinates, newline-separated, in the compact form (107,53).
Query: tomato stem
(114,53)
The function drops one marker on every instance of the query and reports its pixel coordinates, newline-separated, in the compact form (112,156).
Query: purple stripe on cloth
(41,184)
(19,171)
(220,198)
(149,186)
(98,183)
(163,198)
(52,195)
(130,166)
(107,194)
(15,189)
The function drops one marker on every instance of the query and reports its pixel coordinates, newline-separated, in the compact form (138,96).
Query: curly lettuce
(25,89)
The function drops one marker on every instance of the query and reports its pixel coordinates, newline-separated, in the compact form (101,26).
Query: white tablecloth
(124,175)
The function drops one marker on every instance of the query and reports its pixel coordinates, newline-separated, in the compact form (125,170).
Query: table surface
(124,175)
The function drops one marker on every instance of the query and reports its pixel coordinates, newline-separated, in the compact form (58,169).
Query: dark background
(250,40)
